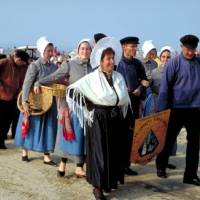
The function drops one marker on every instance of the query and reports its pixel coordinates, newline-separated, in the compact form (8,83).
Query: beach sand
(36,181)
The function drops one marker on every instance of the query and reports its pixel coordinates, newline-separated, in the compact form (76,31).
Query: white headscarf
(85,40)
(169,48)
(147,47)
(42,43)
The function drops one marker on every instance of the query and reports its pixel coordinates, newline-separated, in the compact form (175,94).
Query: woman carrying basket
(37,133)
(70,141)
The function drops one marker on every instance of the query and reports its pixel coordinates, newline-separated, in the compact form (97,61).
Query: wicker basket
(38,103)
(41,103)
(57,90)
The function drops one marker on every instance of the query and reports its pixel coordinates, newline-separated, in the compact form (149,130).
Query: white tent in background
(1,50)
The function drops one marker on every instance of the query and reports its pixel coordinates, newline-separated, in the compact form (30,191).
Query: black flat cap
(99,36)
(190,41)
(125,40)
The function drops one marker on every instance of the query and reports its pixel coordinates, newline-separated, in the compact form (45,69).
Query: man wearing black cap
(134,74)
(180,91)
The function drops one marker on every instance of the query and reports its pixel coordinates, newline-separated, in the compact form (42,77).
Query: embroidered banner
(149,137)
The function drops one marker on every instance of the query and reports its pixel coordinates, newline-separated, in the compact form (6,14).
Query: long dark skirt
(104,148)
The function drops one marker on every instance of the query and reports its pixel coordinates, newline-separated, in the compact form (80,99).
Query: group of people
(108,88)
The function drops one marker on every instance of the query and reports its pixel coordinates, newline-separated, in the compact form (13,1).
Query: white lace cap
(103,44)
(169,48)
(42,43)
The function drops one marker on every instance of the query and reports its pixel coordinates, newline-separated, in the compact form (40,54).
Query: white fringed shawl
(96,88)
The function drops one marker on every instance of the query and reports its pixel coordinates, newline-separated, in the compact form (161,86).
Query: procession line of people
(108,88)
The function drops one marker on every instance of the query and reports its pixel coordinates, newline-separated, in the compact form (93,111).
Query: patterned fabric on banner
(149,137)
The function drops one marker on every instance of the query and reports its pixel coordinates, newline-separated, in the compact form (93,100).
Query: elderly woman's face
(84,51)
(48,52)
(165,56)
(108,63)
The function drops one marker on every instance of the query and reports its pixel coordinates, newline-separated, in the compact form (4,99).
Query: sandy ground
(36,181)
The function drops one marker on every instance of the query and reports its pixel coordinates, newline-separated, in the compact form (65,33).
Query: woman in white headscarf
(71,141)
(100,101)
(37,133)
(150,105)
(149,55)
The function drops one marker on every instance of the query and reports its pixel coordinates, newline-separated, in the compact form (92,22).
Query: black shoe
(115,187)
(3,146)
(197,178)
(25,159)
(130,172)
(170,166)
(161,173)
(121,182)
(193,181)
(107,190)
(51,162)
(60,174)
(98,195)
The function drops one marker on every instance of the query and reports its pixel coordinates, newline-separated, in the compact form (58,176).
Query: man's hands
(136,92)
(145,83)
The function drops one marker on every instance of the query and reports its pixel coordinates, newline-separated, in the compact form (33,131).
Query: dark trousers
(8,114)
(190,119)
(14,120)
(129,127)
